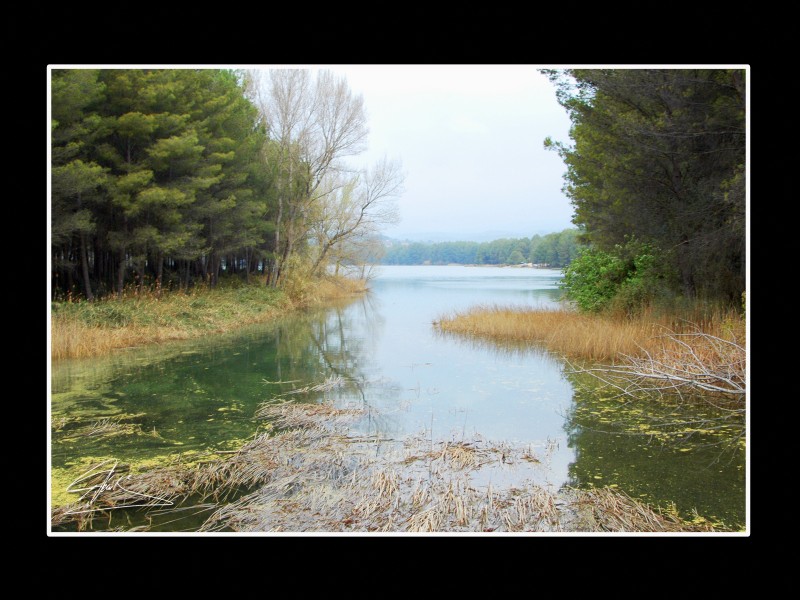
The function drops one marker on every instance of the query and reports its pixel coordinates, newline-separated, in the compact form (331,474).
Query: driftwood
(688,363)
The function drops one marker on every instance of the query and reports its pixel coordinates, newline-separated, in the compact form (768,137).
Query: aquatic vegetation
(314,477)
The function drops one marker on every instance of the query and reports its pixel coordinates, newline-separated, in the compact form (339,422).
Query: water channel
(191,399)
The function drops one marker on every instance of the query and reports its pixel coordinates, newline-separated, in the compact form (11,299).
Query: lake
(192,399)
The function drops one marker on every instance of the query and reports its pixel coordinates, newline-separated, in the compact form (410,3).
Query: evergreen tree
(154,167)
(659,155)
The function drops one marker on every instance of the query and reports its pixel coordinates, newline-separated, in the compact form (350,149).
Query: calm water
(186,400)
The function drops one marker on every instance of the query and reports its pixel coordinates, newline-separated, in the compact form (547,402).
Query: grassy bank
(591,337)
(83,329)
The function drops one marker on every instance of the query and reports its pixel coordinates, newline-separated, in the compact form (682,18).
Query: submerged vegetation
(314,475)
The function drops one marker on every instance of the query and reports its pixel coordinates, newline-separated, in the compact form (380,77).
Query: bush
(298,282)
(593,279)
(640,286)
(623,281)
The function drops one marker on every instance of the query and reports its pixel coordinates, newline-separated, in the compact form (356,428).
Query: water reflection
(658,452)
(192,399)
(199,397)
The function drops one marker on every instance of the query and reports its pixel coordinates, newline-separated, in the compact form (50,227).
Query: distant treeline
(553,250)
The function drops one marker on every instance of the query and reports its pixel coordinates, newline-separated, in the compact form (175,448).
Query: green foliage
(659,154)
(169,177)
(156,176)
(626,279)
(593,279)
(640,285)
(554,250)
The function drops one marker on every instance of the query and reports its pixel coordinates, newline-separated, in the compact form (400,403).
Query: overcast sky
(470,139)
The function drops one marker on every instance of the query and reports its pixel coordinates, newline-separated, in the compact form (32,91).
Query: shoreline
(514,266)
(90,329)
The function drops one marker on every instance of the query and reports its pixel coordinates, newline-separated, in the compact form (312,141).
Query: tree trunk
(272,276)
(140,270)
(214,262)
(85,269)
(186,275)
(287,251)
(159,272)
(121,273)
(97,265)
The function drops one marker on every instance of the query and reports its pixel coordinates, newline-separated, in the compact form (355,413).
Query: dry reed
(687,363)
(576,335)
(605,509)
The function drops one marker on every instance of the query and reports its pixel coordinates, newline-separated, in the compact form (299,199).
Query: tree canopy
(172,176)
(658,158)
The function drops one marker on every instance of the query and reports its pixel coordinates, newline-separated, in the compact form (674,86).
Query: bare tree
(361,253)
(312,125)
(355,211)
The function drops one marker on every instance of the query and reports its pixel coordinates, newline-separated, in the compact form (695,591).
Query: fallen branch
(708,365)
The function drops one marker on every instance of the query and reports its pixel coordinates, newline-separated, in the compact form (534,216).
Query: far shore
(515,266)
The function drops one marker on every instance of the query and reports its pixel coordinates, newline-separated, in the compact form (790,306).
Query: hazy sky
(471,142)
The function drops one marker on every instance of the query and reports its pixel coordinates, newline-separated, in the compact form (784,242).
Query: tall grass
(592,337)
(83,329)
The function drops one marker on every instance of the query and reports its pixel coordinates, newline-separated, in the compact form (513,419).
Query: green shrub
(625,280)
(593,278)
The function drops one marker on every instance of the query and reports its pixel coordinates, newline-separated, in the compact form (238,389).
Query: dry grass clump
(109,486)
(604,509)
(561,331)
(103,428)
(73,339)
(369,495)
(283,414)
(582,336)
(311,291)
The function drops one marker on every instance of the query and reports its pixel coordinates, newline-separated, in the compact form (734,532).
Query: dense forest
(553,250)
(167,177)
(656,175)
